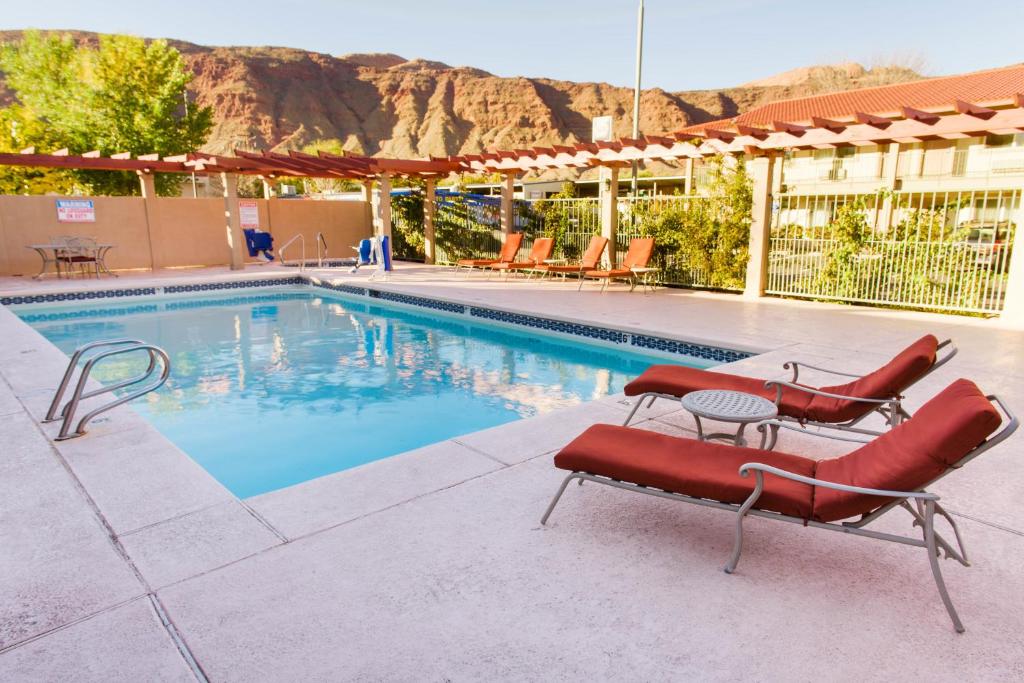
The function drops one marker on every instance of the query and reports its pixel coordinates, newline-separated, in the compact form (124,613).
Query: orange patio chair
(508,254)
(892,471)
(539,253)
(638,256)
(589,261)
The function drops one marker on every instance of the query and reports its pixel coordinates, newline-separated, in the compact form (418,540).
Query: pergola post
(268,191)
(891,174)
(233,226)
(382,210)
(760,169)
(508,183)
(1013,304)
(366,190)
(608,189)
(148,183)
(429,211)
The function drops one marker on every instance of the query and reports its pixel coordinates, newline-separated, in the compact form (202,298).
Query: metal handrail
(302,240)
(320,258)
(68,413)
(51,414)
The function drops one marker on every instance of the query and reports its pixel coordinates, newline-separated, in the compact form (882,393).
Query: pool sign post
(76,211)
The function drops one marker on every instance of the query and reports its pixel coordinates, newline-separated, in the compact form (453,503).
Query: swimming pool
(285,384)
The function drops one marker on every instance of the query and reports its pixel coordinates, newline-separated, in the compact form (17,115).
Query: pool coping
(630,337)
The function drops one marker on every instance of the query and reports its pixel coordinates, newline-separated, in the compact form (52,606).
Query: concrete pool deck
(123,560)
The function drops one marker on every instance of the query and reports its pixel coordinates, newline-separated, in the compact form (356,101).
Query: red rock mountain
(283,98)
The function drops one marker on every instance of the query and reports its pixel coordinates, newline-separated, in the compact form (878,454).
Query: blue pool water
(275,388)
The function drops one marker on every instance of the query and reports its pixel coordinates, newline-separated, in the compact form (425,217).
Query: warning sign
(76,211)
(248,213)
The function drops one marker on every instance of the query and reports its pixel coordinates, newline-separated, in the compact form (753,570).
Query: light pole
(636,87)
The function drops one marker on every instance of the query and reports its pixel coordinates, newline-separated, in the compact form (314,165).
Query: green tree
(331,146)
(124,95)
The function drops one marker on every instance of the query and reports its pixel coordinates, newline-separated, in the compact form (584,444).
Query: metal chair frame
(925,507)
(890,408)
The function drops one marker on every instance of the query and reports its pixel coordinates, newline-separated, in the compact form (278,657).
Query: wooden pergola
(958,119)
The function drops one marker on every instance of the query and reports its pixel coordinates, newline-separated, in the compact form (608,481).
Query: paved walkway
(123,560)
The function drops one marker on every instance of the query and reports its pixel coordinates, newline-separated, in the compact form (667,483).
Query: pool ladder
(321,250)
(157,356)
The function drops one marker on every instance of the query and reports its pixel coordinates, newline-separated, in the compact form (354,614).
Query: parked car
(991,242)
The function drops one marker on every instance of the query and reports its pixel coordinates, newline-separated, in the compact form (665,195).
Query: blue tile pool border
(640,342)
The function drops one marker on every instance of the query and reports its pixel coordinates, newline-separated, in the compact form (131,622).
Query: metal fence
(571,221)
(651,216)
(936,250)
(467,226)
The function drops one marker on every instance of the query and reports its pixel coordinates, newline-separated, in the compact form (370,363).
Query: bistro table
(728,406)
(49,254)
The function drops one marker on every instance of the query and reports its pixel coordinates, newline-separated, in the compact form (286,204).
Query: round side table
(728,406)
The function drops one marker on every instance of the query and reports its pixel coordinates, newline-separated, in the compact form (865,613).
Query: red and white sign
(76,211)
(248,213)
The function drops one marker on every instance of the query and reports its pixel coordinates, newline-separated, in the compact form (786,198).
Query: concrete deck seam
(302,537)
(115,542)
(178,639)
(263,520)
(73,622)
(478,451)
(994,525)
(175,518)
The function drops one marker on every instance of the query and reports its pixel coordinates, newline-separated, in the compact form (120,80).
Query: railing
(302,240)
(117,347)
(467,227)
(320,240)
(946,251)
(571,221)
(640,217)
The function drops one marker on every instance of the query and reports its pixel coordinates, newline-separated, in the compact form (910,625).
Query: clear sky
(688,45)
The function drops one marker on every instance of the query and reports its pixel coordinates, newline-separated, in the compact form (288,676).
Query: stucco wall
(171,231)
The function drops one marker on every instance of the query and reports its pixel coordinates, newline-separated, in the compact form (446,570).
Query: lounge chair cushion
(513,266)
(888,381)
(692,468)
(910,455)
(618,272)
(677,380)
(477,262)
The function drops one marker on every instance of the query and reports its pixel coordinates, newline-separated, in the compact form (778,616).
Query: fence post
(1013,303)
(507,217)
(760,169)
(148,183)
(609,199)
(429,210)
(233,226)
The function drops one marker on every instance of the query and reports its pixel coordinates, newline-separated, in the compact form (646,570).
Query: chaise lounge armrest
(795,366)
(758,469)
(780,424)
(780,384)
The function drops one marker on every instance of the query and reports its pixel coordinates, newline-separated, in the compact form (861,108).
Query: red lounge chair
(539,253)
(508,254)
(842,406)
(890,471)
(589,261)
(638,256)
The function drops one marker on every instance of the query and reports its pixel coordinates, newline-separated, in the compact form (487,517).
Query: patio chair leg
(561,490)
(582,280)
(737,548)
(933,559)
(636,407)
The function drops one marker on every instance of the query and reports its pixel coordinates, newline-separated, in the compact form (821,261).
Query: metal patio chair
(508,254)
(637,257)
(893,471)
(838,407)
